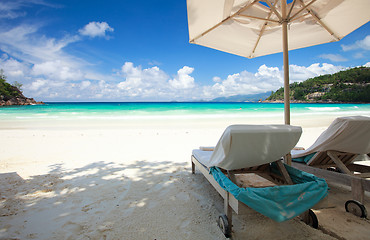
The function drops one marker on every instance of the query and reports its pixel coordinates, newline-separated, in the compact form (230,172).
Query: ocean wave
(37,117)
(181,116)
(324,109)
(342,113)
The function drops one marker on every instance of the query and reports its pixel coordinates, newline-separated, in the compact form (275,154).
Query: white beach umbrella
(252,28)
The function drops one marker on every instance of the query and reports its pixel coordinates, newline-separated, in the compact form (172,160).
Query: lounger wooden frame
(354,175)
(230,202)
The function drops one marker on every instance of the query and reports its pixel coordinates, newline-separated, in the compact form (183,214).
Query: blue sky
(139,51)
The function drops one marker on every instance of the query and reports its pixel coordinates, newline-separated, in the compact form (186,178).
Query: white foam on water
(39,117)
(183,116)
(324,109)
(333,113)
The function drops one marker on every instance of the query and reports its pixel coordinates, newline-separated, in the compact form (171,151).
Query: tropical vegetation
(352,85)
(7,90)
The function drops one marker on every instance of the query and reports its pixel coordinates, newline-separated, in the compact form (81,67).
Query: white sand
(132,180)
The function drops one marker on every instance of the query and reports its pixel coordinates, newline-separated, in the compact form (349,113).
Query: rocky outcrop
(20,99)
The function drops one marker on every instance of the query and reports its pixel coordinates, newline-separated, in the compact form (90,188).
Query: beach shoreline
(131,179)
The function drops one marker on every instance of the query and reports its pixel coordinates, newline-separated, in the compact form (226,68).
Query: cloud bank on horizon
(49,71)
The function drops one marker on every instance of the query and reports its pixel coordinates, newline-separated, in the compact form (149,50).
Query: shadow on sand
(106,200)
(136,200)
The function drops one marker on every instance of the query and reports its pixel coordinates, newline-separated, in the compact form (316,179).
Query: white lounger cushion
(243,146)
(345,134)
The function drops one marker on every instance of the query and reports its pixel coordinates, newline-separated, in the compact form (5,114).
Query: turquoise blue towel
(304,159)
(279,203)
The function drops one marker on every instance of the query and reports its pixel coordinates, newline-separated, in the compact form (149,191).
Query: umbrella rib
(259,18)
(220,23)
(299,17)
(313,14)
(262,31)
(291,8)
(274,10)
(302,9)
(259,38)
(324,25)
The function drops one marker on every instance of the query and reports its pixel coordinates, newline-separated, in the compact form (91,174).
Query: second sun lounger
(333,154)
(245,167)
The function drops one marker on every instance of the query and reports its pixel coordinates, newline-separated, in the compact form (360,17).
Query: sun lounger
(245,168)
(333,154)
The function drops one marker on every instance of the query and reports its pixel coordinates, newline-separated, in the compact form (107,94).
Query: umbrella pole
(288,157)
(286,75)
(286,64)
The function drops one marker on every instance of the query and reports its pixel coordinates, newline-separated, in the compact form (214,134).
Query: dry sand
(132,180)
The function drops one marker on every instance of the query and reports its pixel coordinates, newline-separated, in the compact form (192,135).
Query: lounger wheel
(334,169)
(223,223)
(356,208)
(310,219)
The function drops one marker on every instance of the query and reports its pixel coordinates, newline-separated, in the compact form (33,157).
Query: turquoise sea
(166,110)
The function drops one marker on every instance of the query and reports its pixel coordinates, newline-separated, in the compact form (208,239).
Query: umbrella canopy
(252,28)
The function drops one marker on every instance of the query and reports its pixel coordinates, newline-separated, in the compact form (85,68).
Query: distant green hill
(352,85)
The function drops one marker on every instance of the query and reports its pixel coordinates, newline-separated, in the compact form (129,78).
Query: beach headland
(131,179)
(19,101)
(12,95)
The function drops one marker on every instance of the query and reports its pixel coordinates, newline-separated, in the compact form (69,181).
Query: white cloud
(24,42)
(360,44)
(41,64)
(36,85)
(301,73)
(85,84)
(265,79)
(135,83)
(138,80)
(266,73)
(183,80)
(95,29)
(58,70)
(153,83)
(216,79)
(11,9)
(133,76)
(13,68)
(333,57)
(358,55)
